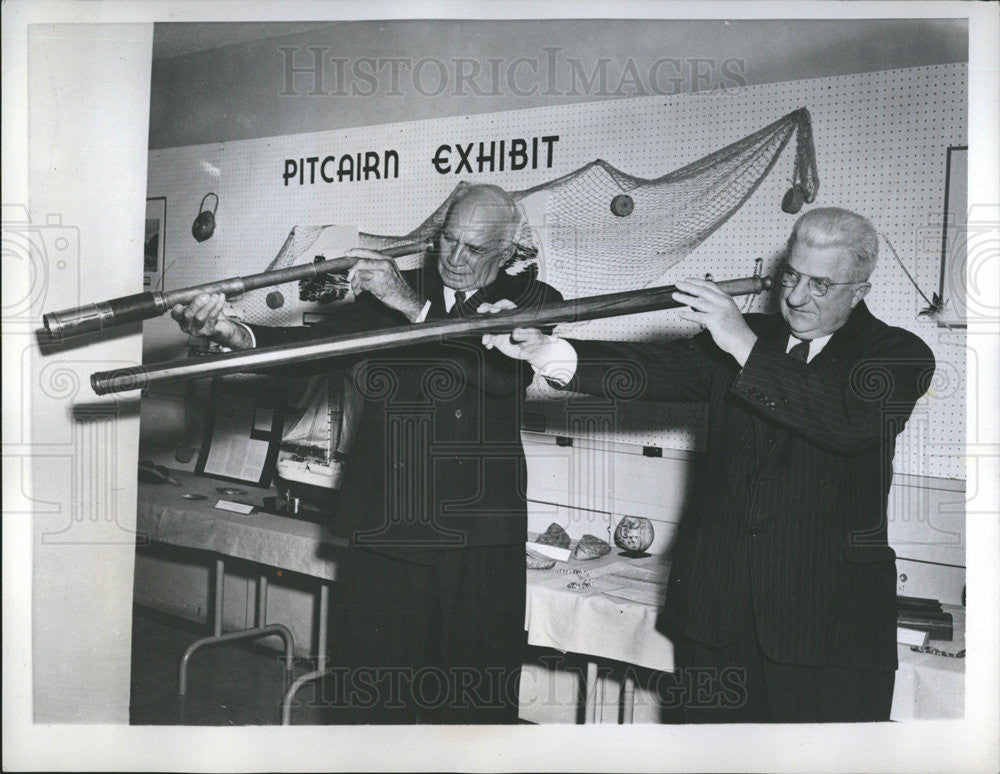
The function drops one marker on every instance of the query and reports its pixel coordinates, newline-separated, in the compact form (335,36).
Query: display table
(596,621)
(591,621)
(165,515)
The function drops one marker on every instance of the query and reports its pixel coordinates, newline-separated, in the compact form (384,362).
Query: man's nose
(799,294)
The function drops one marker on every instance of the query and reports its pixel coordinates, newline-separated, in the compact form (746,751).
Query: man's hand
(378,275)
(550,356)
(203,317)
(716,311)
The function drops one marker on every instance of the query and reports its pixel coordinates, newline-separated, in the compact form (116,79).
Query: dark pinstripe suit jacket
(789,508)
(436,461)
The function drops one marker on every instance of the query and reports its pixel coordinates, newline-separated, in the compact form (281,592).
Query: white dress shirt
(815,345)
(449,302)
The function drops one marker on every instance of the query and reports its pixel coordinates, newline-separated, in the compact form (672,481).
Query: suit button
(754,532)
(458,413)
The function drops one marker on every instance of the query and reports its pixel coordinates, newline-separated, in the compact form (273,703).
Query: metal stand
(261,630)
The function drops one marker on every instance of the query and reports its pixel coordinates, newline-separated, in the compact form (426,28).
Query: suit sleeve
(676,371)
(853,414)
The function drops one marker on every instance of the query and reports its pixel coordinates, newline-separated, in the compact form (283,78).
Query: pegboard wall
(881,142)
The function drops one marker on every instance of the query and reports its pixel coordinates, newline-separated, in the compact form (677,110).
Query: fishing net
(595,230)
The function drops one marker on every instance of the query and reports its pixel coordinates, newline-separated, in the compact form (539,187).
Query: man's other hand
(203,317)
(552,357)
(377,274)
(714,309)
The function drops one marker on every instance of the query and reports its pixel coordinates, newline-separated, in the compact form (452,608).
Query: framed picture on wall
(154,243)
(955,238)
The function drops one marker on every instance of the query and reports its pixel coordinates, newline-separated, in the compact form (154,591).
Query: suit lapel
(845,342)
(842,346)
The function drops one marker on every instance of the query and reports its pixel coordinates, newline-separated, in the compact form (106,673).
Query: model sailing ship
(314,446)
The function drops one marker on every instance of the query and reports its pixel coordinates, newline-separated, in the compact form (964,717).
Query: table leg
(601,685)
(628,698)
(286,702)
(590,694)
(262,600)
(220,579)
(324,612)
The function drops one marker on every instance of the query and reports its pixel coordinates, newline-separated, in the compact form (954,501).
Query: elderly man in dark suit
(781,568)
(433,501)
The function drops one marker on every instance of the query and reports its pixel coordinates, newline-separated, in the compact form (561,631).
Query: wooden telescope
(145,306)
(575,310)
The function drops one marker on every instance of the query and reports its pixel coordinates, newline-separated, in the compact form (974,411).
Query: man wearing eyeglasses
(782,579)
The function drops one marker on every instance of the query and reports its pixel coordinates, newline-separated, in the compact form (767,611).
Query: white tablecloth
(591,622)
(929,686)
(291,544)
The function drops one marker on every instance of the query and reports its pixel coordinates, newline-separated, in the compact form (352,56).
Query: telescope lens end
(97,383)
(52,326)
(118,380)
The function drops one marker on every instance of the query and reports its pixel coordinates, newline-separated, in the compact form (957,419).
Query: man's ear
(507,255)
(860,292)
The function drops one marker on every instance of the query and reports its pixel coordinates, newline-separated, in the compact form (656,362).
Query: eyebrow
(787,265)
(470,245)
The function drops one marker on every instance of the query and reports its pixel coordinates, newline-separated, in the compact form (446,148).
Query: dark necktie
(459,297)
(800,351)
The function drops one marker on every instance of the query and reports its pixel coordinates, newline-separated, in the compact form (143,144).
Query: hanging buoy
(622,205)
(793,199)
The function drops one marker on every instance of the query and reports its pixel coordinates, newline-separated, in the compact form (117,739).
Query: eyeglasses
(818,286)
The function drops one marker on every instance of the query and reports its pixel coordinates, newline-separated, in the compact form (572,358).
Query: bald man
(433,501)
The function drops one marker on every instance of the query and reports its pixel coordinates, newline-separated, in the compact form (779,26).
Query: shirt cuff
(248,329)
(423,312)
(559,365)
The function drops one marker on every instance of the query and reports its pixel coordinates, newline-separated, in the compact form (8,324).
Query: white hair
(835,227)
